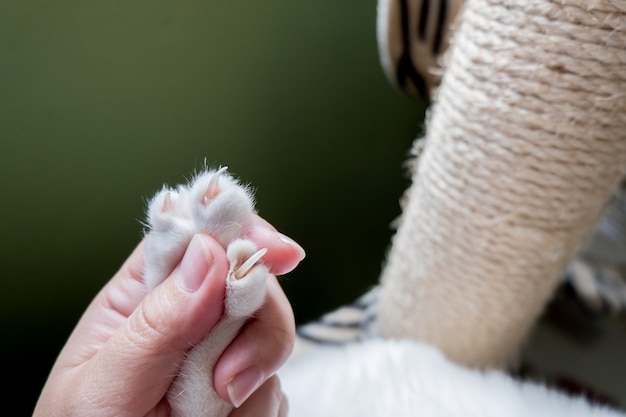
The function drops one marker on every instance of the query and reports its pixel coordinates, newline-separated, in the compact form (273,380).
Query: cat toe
(247,276)
(220,206)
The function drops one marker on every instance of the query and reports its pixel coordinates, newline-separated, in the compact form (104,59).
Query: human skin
(125,350)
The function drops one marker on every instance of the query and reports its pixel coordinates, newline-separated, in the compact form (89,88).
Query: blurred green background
(103,102)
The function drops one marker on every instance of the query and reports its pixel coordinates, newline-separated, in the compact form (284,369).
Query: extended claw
(245,267)
(213,188)
(167,203)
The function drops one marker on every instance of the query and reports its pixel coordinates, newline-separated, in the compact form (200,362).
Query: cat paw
(213,202)
(245,283)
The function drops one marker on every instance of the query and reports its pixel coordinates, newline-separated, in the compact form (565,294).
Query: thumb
(141,358)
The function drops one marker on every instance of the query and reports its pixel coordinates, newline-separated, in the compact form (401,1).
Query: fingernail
(195,264)
(283,409)
(244,384)
(290,241)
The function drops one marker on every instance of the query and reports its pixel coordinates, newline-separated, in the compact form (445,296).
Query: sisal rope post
(524,144)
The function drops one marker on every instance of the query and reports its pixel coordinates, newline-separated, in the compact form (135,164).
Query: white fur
(223,209)
(382,378)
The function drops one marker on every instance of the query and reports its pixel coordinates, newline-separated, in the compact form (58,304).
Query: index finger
(283,253)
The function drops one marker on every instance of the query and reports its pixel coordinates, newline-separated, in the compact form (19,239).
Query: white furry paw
(213,203)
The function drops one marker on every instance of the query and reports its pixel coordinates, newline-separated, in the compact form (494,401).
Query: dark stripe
(321,341)
(369,319)
(571,294)
(404,21)
(441,21)
(423,20)
(405,68)
(407,71)
(336,325)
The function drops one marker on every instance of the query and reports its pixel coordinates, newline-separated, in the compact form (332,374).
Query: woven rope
(525,143)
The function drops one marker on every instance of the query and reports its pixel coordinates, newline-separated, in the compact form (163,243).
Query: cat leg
(192,393)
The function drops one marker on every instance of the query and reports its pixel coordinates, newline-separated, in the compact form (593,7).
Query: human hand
(125,351)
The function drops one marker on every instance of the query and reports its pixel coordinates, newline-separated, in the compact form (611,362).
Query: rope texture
(524,144)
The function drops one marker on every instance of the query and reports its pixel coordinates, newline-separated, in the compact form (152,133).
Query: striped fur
(412,37)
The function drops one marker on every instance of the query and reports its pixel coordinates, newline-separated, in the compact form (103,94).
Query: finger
(108,310)
(142,357)
(267,401)
(259,350)
(123,293)
(283,253)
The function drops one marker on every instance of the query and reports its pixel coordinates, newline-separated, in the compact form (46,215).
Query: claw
(167,203)
(245,267)
(213,188)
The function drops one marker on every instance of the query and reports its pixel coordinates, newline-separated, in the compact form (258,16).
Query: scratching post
(524,144)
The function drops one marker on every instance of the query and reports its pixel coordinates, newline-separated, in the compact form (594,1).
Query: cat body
(405,378)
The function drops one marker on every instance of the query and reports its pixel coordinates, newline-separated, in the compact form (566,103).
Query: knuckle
(273,385)
(145,328)
(284,340)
